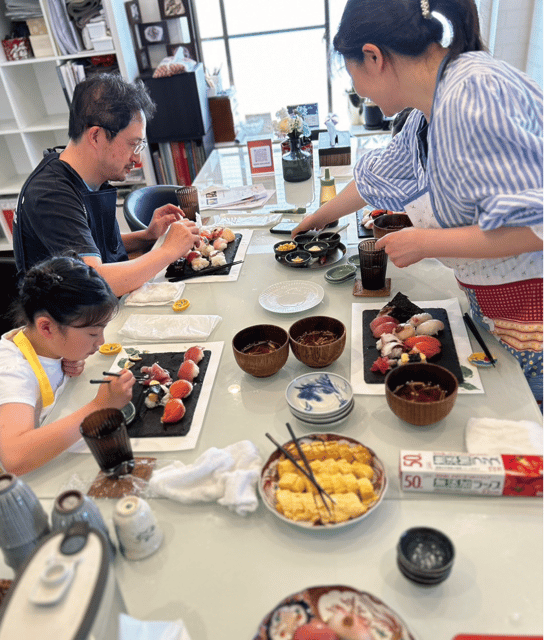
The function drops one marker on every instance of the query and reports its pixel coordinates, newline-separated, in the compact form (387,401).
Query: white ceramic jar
(136,527)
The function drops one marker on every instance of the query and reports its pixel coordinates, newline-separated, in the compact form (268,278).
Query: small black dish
(332,239)
(290,244)
(303,238)
(298,258)
(425,555)
(316,248)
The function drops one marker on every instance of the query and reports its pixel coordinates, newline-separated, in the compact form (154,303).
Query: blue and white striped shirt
(484,163)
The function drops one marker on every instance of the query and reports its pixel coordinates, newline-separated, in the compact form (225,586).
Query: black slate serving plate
(362,232)
(182,270)
(447,358)
(147,423)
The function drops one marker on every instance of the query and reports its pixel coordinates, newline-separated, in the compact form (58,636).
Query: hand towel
(228,476)
(155,293)
(168,328)
(493,436)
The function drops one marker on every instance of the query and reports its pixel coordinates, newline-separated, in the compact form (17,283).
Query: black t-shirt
(56,211)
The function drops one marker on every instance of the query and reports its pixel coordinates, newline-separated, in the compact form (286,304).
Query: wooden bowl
(421,413)
(390,222)
(265,364)
(321,355)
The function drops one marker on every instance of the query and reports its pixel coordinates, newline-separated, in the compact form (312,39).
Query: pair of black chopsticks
(204,272)
(470,324)
(308,472)
(115,375)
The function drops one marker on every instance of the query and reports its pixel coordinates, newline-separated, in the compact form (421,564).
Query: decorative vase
(296,164)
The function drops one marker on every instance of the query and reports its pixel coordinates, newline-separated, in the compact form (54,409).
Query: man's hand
(181,238)
(162,218)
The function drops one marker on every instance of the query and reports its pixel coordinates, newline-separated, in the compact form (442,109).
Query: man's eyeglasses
(138,147)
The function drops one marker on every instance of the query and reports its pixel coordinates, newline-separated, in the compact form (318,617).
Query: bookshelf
(33,106)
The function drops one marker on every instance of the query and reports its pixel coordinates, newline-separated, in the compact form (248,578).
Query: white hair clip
(425,9)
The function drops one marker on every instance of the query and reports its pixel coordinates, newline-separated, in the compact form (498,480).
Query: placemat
(183,270)
(130,485)
(447,358)
(147,423)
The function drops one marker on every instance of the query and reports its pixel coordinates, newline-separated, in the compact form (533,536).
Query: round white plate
(322,393)
(290,297)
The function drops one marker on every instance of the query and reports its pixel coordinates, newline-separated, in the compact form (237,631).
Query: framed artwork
(142,57)
(261,159)
(189,50)
(153,33)
(171,8)
(133,12)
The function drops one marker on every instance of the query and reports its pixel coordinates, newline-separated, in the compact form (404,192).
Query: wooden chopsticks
(308,474)
(115,375)
(470,324)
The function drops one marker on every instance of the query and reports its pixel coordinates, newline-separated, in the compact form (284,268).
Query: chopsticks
(470,324)
(115,375)
(204,272)
(309,474)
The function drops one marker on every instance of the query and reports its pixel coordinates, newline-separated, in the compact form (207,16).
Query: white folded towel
(168,328)
(489,435)
(132,629)
(155,293)
(228,476)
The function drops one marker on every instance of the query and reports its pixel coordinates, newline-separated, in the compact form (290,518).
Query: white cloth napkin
(228,476)
(155,293)
(489,435)
(132,629)
(168,328)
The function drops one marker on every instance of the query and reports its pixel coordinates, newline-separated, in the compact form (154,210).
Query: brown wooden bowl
(421,413)
(390,222)
(322,355)
(265,364)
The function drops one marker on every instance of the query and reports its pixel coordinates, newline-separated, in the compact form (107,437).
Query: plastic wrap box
(471,474)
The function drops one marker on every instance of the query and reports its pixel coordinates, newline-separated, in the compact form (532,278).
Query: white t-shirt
(18,383)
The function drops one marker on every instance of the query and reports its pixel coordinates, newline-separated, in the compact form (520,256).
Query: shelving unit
(33,108)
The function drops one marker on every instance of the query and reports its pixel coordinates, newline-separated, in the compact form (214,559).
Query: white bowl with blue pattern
(319,394)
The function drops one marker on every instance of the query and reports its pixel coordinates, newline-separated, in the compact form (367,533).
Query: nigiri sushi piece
(216,232)
(228,235)
(193,255)
(429,327)
(180,389)
(384,327)
(156,374)
(188,370)
(220,244)
(419,318)
(174,410)
(206,233)
(404,331)
(199,263)
(217,259)
(379,319)
(194,353)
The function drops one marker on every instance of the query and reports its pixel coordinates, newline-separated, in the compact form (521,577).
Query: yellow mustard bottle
(328,188)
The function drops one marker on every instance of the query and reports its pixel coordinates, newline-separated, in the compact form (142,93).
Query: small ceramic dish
(316,248)
(129,413)
(285,247)
(425,555)
(331,238)
(354,260)
(342,273)
(319,393)
(298,258)
(303,238)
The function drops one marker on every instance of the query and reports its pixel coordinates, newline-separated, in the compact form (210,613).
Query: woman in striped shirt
(466,166)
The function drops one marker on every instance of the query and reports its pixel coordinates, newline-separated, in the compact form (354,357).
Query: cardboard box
(41,46)
(471,474)
(36,26)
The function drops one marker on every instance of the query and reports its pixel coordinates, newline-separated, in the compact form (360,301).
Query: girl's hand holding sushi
(117,393)
(73,368)
(162,218)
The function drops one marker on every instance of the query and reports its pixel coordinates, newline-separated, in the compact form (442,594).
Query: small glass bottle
(328,188)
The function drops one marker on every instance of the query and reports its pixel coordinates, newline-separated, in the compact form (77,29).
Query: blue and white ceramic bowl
(319,394)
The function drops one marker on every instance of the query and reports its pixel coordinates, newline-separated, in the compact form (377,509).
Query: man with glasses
(67,202)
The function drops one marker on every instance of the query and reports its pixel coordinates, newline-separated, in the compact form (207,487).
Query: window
(275,53)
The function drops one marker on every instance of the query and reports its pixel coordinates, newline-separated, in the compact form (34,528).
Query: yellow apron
(26,348)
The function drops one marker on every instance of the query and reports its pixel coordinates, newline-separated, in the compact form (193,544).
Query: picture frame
(172,8)
(171,50)
(261,158)
(142,58)
(132,9)
(152,33)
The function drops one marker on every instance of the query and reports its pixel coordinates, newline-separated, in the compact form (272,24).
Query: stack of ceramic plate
(320,399)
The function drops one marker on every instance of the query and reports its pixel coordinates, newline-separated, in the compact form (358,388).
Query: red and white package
(470,473)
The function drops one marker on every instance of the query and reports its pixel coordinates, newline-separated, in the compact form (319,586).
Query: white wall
(535,54)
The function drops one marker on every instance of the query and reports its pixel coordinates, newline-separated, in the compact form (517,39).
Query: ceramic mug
(136,527)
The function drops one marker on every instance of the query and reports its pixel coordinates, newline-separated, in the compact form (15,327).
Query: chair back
(140,204)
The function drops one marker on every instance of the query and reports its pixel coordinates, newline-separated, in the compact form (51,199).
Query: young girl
(466,166)
(63,307)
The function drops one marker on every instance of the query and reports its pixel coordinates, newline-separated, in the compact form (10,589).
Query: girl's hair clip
(426,9)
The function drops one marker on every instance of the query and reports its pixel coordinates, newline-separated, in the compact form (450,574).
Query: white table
(222,573)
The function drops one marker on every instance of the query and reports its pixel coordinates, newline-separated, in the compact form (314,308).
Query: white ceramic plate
(268,482)
(332,604)
(319,393)
(290,297)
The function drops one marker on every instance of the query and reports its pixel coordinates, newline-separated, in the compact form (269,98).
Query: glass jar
(296,163)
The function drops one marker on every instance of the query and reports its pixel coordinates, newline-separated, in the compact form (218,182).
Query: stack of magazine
(247,197)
